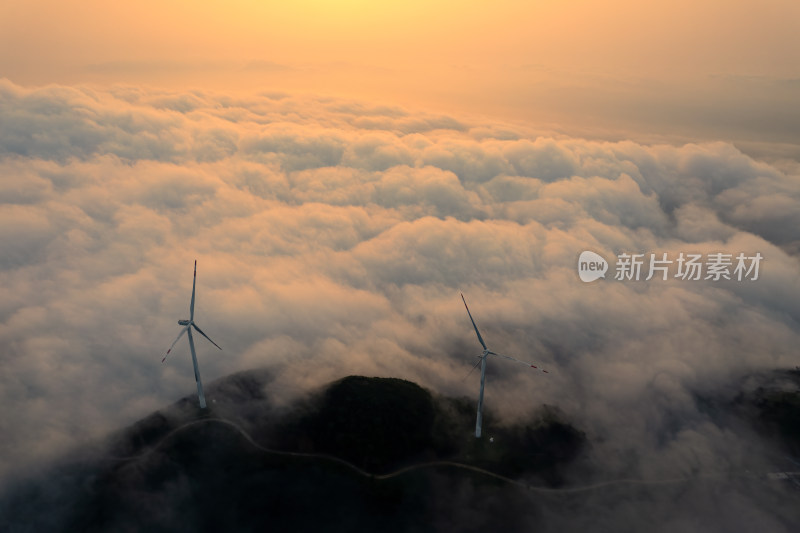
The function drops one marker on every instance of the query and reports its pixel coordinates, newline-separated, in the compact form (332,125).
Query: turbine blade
(183,331)
(526,363)
(200,331)
(473,323)
(194,283)
(473,368)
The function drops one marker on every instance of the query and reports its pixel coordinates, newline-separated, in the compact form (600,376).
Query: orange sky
(711,69)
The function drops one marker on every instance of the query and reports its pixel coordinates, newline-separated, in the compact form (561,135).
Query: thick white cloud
(333,238)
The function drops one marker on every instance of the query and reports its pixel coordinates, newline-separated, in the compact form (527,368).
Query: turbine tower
(188,325)
(486,353)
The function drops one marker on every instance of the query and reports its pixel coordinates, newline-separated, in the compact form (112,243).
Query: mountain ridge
(357,454)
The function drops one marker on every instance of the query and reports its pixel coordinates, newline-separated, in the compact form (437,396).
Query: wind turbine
(486,353)
(188,325)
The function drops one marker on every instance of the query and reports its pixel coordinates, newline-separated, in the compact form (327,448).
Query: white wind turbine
(486,353)
(188,325)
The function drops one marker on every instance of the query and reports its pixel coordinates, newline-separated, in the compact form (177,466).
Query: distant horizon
(612,123)
(677,72)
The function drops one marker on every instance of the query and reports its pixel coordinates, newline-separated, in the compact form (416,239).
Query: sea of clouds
(333,238)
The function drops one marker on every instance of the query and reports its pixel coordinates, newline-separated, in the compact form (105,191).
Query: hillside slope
(383,454)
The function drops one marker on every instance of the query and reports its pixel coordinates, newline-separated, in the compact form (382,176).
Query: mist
(333,238)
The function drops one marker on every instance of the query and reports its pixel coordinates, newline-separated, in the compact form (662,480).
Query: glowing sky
(667,70)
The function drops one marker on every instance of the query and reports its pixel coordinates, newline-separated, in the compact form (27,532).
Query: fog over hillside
(333,238)
(383,453)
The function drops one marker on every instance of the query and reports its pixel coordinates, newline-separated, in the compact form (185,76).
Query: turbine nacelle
(184,322)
